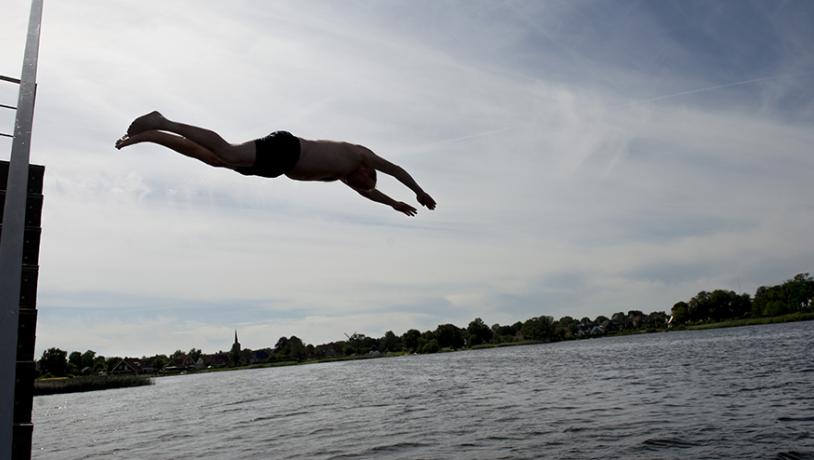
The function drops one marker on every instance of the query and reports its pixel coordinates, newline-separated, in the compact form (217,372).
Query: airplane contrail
(717,87)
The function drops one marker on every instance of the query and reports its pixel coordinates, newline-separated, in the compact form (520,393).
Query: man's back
(327,160)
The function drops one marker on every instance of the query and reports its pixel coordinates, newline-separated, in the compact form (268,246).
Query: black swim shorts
(276,154)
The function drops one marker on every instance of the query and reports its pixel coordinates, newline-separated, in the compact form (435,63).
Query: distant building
(234,353)
(219,359)
(178,363)
(127,366)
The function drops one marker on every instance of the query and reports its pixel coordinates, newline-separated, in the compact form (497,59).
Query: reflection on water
(731,393)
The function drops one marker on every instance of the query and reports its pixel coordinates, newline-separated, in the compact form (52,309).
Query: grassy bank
(484,346)
(89,383)
(754,321)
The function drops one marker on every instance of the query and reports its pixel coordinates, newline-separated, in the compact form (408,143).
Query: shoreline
(62,385)
(82,384)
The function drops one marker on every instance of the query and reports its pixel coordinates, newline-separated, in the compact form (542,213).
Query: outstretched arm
(380,197)
(403,176)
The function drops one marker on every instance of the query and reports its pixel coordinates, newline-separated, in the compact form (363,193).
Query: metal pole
(11,244)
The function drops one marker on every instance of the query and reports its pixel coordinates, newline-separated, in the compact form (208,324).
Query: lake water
(730,393)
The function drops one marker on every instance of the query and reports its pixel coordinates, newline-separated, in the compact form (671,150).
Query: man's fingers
(426,201)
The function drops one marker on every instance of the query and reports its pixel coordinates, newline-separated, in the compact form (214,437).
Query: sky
(587,157)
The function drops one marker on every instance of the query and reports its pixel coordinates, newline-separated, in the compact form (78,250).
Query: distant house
(178,363)
(219,359)
(129,366)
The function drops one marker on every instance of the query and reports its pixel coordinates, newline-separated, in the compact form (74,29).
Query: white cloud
(576,173)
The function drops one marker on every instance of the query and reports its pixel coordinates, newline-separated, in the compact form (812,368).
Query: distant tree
(281,349)
(111,363)
(769,301)
(800,292)
(717,305)
(194,354)
(656,320)
(158,361)
(680,313)
(289,349)
(479,332)
(360,344)
(720,304)
(794,295)
(391,342)
(538,328)
(634,319)
(409,340)
(425,338)
(565,328)
(698,307)
(328,350)
(449,336)
(88,358)
(75,358)
(742,305)
(508,333)
(296,349)
(245,356)
(430,346)
(54,362)
(74,363)
(618,321)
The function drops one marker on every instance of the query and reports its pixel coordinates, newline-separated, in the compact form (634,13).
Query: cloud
(587,158)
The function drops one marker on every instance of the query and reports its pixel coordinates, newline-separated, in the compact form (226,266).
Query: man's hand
(405,208)
(426,200)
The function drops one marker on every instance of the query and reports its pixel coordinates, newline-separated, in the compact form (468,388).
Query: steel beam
(11,243)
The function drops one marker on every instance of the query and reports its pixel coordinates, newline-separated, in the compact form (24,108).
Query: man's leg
(180,144)
(231,154)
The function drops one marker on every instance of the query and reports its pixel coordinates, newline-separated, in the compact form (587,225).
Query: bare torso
(323,160)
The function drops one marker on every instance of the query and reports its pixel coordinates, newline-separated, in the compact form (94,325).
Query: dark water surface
(729,394)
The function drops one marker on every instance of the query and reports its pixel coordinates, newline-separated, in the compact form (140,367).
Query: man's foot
(146,136)
(124,141)
(152,120)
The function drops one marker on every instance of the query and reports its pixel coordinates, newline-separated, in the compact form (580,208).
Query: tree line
(793,296)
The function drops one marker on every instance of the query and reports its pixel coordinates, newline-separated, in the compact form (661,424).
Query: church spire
(234,354)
